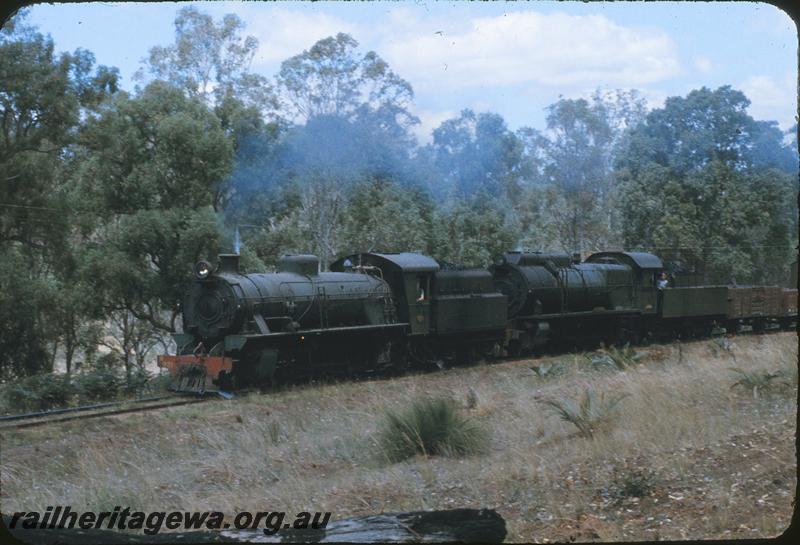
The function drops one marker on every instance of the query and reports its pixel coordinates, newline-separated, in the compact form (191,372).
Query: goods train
(379,310)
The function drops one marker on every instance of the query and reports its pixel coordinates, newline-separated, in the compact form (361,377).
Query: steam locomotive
(378,310)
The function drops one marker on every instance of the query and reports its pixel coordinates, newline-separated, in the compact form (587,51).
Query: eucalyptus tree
(575,153)
(702,182)
(332,78)
(474,232)
(706,125)
(383,216)
(477,152)
(44,96)
(150,166)
(211,60)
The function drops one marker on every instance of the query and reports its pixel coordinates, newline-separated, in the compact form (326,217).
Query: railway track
(55,416)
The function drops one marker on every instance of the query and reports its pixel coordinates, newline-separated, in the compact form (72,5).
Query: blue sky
(512,58)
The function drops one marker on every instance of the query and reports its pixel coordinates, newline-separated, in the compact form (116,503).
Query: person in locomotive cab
(663,282)
(420,290)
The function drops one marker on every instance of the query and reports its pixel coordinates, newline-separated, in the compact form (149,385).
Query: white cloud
(474,58)
(772,99)
(521,52)
(283,33)
(530,48)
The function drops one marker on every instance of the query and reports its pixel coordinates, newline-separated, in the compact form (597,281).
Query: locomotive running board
(237,342)
(582,313)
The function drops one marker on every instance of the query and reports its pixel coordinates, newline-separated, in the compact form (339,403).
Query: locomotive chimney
(229,263)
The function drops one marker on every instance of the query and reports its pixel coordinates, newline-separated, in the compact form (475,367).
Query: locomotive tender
(389,310)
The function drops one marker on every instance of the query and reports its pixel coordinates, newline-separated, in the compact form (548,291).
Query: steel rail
(49,412)
(41,421)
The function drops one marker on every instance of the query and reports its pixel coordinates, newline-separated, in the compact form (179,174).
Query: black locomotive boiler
(557,300)
(254,328)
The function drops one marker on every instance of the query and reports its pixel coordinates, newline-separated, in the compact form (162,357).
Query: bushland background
(109,197)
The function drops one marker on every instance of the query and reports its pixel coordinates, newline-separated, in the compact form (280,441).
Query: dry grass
(688,457)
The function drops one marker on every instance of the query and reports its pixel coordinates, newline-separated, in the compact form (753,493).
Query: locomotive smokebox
(229,263)
(305,264)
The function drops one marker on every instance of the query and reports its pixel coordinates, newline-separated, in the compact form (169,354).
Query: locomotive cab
(410,277)
(456,312)
(646,269)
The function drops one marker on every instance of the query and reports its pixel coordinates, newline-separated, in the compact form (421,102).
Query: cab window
(423,289)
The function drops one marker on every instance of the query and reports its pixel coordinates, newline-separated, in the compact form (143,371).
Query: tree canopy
(691,132)
(44,97)
(332,79)
(701,180)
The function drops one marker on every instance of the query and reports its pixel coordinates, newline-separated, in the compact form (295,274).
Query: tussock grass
(756,381)
(620,357)
(591,414)
(549,370)
(431,427)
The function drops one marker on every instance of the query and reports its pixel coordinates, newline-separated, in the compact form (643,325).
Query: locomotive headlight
(202,270)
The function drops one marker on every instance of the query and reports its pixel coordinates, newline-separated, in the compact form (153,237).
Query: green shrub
(38,393)
(756,381)
(721,343)
(633,483)
(100,384)
(55,391)
(431,427)
(108,361)
(17,397)
(157,384)
(274,429)
(141,382)
(591,414)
